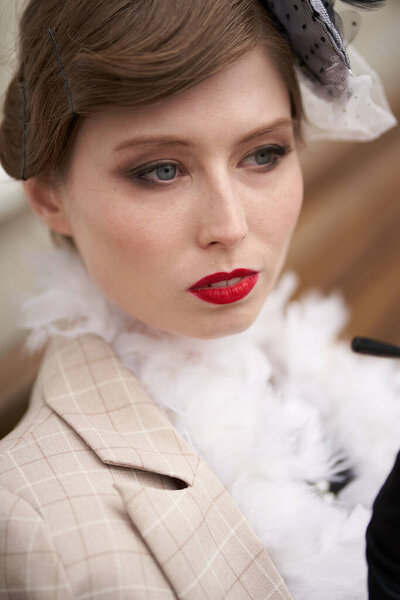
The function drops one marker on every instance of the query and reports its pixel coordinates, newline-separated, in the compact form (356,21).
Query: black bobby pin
(53,39)
(365,345)
(22,88)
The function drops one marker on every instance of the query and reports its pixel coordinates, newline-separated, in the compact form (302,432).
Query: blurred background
(347,238)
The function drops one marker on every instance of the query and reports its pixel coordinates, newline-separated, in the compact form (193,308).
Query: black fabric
(383,540)
(314,32)
(314,40)
(346,476)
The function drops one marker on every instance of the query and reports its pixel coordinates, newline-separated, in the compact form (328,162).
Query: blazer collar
(86,384)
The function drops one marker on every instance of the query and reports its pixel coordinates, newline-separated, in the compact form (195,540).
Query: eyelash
(137,174)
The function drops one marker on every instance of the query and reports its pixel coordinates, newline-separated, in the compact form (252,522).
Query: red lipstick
(225,294)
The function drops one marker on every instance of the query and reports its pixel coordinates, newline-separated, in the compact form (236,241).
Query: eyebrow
(170,140)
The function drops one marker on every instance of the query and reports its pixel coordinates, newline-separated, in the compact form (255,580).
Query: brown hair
(78,57)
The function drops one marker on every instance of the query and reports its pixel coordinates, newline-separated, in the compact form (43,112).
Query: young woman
(180,441)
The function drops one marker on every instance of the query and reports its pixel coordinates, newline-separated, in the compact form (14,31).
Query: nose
(223,216)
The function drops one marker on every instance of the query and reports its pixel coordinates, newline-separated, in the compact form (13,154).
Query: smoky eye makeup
(163,172)
(268,156)
(157,172)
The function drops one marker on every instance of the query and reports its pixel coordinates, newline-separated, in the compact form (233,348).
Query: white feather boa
(271,410)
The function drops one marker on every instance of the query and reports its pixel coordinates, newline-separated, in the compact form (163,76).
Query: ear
(46,200)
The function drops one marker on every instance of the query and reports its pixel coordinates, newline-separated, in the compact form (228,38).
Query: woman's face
(204,182)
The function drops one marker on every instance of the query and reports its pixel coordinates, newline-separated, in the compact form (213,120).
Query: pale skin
(220,203)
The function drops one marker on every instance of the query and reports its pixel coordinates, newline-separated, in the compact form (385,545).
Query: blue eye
(155,173)
(165,172)
(268,156)
(263,156)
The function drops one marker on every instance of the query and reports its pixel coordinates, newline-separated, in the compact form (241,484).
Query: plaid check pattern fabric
(101,498)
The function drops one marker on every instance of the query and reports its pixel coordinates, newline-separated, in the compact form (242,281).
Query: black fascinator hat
(314,32)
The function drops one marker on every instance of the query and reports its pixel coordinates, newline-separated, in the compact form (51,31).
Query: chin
(223,325)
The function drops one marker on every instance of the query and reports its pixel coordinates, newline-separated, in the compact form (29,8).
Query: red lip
(225,295)
(216,277)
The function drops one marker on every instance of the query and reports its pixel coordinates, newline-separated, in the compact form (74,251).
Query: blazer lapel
(202,541)
(85,383)
(197,534)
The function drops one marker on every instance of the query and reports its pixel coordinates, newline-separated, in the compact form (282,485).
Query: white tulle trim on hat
(362,114)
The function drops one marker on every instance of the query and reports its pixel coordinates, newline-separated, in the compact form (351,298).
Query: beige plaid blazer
(100,497)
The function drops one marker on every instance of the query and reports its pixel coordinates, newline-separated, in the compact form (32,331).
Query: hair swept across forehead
(78,58)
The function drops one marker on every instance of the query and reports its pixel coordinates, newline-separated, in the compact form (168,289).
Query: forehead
(236,99)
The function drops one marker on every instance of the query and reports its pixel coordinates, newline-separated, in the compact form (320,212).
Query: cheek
(127,236)
(116,241)
(281,211)
(292,204)
(144,238)
(100,221)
